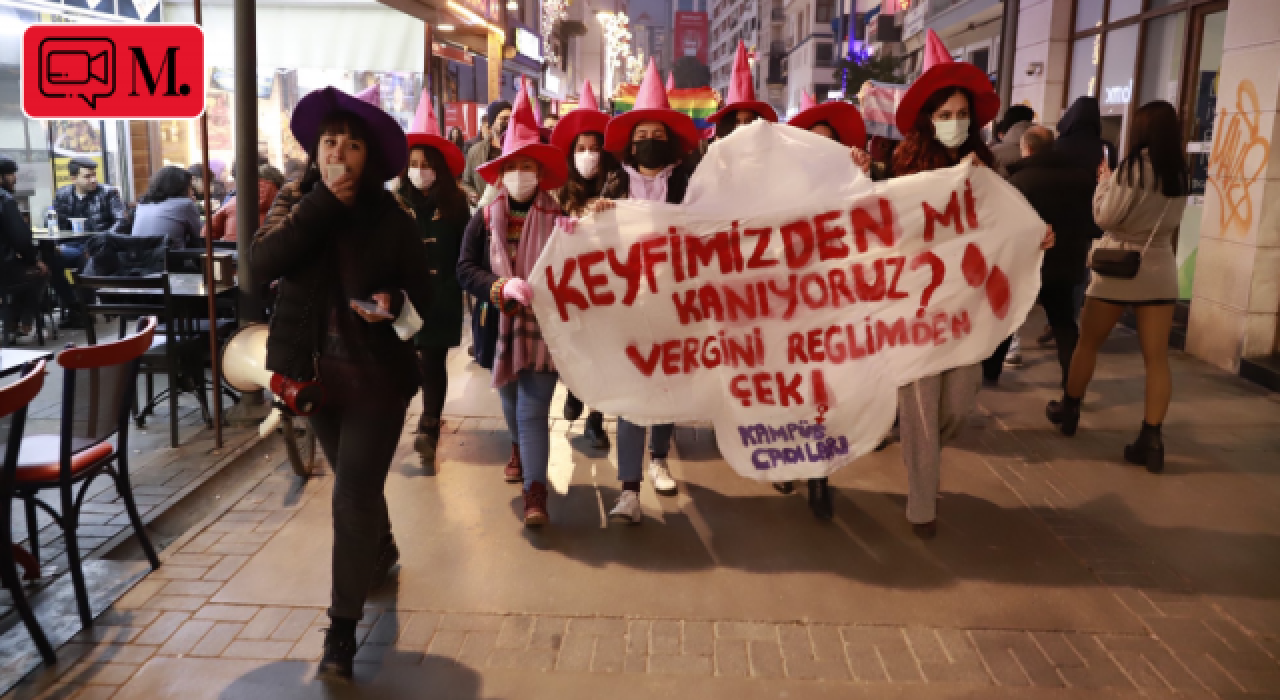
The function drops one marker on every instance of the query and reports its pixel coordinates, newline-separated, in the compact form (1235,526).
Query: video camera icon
(78,67)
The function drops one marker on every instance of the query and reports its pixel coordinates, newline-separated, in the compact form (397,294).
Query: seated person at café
(85,198)
(270,180)
(21,274)
(167,211)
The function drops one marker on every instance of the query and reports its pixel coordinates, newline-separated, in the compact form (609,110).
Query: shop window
(1123,9)
(980,58)
(824,55)
(1116,88)
(1084,68)
(1088,14)
(1162,58)
(824,11)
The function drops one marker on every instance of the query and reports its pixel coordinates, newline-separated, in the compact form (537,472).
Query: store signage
(528,44)
(124,71)
(451,53)
(489,9)
(1117,94)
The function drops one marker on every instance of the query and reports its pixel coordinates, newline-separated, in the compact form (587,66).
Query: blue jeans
(631,447)
(526,404)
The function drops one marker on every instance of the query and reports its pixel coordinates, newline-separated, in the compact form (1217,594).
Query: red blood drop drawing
(974,266)
(998,292)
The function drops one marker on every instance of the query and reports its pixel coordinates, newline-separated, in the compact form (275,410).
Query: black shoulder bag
(1122,263)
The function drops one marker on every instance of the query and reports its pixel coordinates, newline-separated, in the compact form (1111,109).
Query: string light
(617,44)
(553,12)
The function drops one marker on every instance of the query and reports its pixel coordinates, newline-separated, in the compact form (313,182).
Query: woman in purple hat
(350,262)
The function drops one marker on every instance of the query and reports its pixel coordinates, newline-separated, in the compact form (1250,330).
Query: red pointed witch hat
(585,119)
(842,117)
(742,91)
(651,105)
(425,131)
(523,141)
(940,71)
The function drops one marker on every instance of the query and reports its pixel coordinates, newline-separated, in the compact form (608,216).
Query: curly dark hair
(168,182)
(921,152)
(578,190)
(449,199)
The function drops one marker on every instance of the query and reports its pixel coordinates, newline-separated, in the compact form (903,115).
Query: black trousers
(994,365)
(359,439)
(25,284)
(435,383)
(1058,300)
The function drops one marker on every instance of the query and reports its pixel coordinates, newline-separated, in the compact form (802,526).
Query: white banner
(788,298)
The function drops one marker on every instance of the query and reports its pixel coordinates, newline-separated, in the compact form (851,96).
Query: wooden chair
(98,386)
(14,400)
(179,349)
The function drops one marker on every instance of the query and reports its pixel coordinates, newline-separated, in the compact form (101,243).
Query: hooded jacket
(1061,192)
(1080,135)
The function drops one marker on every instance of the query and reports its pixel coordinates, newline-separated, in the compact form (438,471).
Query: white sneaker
(628,509)
(1014,357)
(660,476)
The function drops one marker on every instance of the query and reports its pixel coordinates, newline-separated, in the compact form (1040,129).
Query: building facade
(1218,63)
(810,57)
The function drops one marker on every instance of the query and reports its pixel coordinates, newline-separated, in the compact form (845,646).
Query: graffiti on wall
(1240,153)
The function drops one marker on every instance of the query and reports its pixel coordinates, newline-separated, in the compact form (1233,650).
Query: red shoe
(535,505)
(513,472)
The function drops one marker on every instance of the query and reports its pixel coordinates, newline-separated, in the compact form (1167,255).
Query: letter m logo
(167,64)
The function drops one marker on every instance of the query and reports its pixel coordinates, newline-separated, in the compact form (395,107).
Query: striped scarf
(520,345)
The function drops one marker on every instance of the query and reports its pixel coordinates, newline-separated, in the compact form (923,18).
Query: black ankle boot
(388,559)
(339,650)
(427,440)
(1147,450)
(594,431)
(572,407)
(1065,414)
(820,499)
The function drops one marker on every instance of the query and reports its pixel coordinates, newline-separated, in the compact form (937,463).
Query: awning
(369,37)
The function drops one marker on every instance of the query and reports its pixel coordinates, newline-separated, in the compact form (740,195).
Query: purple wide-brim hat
(388,137)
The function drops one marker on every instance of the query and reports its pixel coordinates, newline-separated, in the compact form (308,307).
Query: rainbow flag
(698,103)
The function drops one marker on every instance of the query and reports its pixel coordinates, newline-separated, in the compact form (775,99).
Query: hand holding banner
(788,298)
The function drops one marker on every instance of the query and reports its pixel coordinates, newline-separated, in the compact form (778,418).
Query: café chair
(14,400)
(179,346)
(98,388)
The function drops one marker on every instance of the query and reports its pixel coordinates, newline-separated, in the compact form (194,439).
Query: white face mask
(422,178)
(587,162)
(951,133)
(520,184)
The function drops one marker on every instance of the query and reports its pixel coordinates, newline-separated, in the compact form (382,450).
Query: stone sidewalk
(1058,571)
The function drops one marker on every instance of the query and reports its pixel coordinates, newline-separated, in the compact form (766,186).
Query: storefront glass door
(1201,111)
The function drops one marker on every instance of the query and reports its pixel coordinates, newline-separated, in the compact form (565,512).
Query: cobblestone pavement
(1182,566)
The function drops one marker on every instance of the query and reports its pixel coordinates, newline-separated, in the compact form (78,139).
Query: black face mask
(652,153)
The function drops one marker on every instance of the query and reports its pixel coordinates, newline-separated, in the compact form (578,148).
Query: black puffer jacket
(1080,135)
(326,254)
(1061,192)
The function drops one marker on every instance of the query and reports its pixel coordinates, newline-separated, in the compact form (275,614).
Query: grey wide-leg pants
(931,412)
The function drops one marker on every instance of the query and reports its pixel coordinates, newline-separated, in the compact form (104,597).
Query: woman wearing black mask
(652,139)
(581,136)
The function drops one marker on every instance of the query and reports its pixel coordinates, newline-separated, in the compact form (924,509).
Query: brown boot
(513,472)
(535,505)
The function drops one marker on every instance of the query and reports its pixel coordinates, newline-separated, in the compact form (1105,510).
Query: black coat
(15,234)
(1061,192)
(326,254)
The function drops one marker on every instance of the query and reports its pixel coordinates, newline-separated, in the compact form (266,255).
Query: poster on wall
(75,138)
(691,35)
(464,115)
(219,112)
